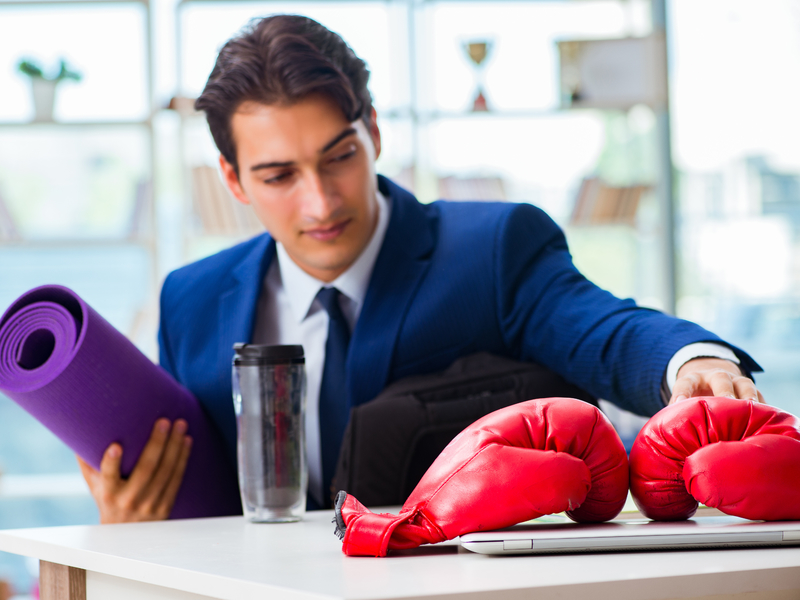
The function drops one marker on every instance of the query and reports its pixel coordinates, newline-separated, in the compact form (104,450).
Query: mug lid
(259,354)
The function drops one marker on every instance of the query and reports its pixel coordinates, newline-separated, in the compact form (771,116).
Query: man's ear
(232,180)
(374,132)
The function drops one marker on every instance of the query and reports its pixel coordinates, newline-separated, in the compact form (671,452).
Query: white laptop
(556,534)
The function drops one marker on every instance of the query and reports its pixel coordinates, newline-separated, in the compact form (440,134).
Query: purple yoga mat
(84,381)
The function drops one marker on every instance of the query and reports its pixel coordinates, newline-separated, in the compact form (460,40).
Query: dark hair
(282,59)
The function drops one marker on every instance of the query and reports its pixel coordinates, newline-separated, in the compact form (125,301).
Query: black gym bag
(391,441)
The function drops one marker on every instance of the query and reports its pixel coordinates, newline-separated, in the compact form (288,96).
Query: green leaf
(30,68)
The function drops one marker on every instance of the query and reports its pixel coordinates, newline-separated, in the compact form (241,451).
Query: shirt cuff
(692,351)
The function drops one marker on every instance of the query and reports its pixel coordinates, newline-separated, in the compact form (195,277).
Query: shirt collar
(301,288)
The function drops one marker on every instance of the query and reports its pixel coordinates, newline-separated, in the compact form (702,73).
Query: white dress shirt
(289,313)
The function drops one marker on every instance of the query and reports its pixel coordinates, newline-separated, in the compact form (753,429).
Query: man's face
(309,174)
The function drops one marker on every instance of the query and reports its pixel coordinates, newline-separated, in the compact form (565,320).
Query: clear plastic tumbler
(269,396)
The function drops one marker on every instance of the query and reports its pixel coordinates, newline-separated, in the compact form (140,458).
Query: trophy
(477,51)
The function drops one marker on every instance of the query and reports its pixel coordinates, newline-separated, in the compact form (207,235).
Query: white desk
(228,558)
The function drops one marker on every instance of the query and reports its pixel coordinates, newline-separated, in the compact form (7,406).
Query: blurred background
(663,136)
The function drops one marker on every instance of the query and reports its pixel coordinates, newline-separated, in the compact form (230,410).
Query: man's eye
(344,156)
(280,178)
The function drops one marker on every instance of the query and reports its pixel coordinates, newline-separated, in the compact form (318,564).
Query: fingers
(169,456)
(721,384)
(746,389)
(109,466)
(685,387)
(174,483)
(714,382)
(145,468)
(703,383)
(89,474)
(149,493)
(166,469)
(85,468)
(105,483)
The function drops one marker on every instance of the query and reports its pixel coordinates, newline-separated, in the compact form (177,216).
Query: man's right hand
(149,493)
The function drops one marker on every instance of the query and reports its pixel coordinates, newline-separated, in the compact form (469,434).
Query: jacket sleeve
(551,314)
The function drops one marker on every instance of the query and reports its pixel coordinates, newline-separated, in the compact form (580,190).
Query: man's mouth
(326,234)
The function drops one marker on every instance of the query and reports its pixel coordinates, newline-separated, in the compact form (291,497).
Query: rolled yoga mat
(88,384)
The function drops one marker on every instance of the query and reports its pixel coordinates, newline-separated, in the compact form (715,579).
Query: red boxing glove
(517,463)
(738,456)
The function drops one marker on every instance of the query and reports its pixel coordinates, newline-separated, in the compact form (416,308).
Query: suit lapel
(401,265)
(239,304)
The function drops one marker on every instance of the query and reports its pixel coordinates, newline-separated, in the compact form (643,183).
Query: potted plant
(43,88)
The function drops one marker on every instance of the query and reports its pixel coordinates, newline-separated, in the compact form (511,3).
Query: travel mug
(269,396)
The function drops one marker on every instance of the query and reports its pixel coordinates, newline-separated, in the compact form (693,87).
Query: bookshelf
(81,183)
(77,207)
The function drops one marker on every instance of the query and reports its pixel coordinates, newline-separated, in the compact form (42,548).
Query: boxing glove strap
(365,533)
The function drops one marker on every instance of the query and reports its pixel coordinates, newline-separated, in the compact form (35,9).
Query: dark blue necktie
(333,405)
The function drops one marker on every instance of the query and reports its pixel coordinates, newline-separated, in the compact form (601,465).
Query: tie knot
(329,298)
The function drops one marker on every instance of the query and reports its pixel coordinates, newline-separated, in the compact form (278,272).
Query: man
(349,254)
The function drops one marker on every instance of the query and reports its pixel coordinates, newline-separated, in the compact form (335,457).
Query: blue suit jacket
(451,279)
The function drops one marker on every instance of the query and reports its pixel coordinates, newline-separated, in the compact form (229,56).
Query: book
(219,212)
(140,213)
(596,202)
(472,188)
(8,228)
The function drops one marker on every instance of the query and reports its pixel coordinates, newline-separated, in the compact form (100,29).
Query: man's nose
(319,200)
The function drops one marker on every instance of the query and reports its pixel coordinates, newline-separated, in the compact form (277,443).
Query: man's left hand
(713,377)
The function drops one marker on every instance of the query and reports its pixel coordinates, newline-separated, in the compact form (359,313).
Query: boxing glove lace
(739,456)
(518,463)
